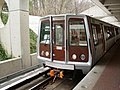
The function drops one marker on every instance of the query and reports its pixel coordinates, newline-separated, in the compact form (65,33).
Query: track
(41,84)
(67,83)
(30,84)
(40,80)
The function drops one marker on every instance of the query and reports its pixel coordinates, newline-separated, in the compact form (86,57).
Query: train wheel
(77,74)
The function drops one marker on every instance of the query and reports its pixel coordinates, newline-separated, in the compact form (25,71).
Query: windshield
(45,32)
(77,32)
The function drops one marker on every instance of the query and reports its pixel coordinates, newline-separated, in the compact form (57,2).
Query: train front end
(64,42)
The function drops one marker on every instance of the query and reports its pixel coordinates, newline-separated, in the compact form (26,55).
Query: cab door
(58,40)
(78,48)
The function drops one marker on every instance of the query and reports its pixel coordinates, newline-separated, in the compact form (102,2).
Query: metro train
(74,42)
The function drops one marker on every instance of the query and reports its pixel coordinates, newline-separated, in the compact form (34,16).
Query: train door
(96,40)
(103,38)
(58,46)
(99,43)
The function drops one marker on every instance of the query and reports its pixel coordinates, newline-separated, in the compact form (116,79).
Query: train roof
(81,15)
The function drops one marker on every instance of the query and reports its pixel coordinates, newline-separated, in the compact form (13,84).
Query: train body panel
(74,41)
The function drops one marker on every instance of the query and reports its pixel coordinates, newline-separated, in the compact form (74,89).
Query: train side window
(116,29)
(45,32)
(109,32)
(77,32)
(95,37)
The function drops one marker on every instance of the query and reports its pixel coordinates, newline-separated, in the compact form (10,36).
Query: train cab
(64,42)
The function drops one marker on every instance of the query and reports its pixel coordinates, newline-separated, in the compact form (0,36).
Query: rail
(36,87)
(22,79)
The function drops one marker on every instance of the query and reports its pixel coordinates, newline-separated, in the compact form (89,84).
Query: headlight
(82,56)
(47,53)
(42,53)
(74,56)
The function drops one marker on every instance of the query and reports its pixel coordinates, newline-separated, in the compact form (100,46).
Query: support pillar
(19,26)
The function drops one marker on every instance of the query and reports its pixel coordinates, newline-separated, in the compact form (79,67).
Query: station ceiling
(113,6)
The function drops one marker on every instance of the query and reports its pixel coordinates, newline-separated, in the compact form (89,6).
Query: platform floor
(106,74)
(110,78)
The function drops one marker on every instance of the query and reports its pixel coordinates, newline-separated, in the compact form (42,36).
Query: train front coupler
(56,73)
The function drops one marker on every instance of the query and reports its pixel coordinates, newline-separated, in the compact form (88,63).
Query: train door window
(112,31)
(95,37)
(45,32)
(77,32)
(118,30)
(106,32)
(59,34)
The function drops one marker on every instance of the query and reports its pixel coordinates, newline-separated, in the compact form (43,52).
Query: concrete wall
(15,35)
(1,4)
(15,38)
(5,31)
(14,65)
(5,38)
(33,58)
(10,66)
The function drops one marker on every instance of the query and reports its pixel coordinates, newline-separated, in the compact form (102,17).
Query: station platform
(106,74)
